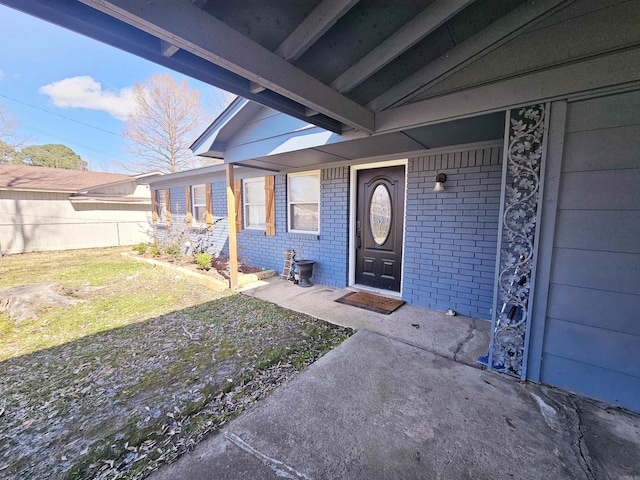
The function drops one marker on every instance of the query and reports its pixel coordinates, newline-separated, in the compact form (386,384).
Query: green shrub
(173,249)
(203,260)
(155,250)
(141,248)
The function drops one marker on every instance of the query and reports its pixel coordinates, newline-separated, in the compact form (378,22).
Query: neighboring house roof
(22,177)
(83,187)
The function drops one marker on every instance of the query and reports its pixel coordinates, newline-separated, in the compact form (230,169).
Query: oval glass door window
(380,214)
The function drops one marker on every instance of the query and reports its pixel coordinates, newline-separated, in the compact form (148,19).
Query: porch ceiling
(459,132)
(334,63)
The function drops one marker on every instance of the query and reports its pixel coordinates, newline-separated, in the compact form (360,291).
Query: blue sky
(61,87)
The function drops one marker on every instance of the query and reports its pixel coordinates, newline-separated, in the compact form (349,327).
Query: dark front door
(379,222)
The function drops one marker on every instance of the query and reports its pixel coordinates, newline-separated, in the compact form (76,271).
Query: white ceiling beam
(609,71)
(411,33)
(189,28)
(167,49)
(488,39)
(316,24)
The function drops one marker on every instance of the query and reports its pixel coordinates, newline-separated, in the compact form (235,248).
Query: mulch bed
(219,266)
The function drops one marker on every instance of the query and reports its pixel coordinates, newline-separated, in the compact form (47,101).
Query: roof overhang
(310,160)
(213,141)
(39,190)
(205,175)
(314,148)
(87,199)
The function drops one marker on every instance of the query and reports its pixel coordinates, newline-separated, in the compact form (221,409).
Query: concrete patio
(459,338)
(400,399)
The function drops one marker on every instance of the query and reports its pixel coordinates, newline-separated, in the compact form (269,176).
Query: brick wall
(215,242)
(450,240)
(451,237)
(219,198)
(219,237)
(328,249)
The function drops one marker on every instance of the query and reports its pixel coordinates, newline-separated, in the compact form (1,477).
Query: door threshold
(377,291)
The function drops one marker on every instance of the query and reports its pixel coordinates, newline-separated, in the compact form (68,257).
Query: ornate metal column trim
(520,212)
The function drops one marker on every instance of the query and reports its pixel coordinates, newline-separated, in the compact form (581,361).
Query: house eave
(208,137)
(173,177)
(267,163)
(109,200)
(212,143)
(202,175)
(39,190)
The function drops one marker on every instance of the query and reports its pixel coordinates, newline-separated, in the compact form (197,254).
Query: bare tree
(9,142)
(168,118)
(7,124)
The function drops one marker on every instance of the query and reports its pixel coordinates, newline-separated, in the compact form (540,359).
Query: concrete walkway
(460,338)
(391,403)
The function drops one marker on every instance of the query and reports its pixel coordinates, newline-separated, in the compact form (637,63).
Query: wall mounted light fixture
(440,179)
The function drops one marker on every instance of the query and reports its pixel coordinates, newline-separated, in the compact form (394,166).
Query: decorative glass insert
(520,211)
(380,214)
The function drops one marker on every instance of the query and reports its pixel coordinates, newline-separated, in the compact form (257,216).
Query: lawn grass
(94,266)
(116,290)
(140,371)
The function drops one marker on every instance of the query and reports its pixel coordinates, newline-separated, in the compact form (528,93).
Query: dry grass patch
(116,292)
(139,372)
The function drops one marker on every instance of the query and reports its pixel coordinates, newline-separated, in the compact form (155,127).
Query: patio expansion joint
(467,339)
(281,469)
(579,443)
(574,426)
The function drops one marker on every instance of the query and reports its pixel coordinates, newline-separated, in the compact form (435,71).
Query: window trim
(245,204)
(194,217)
(315,173)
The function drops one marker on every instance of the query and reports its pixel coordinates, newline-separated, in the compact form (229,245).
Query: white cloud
(85,92)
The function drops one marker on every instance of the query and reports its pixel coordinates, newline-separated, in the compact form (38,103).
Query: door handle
(358,239)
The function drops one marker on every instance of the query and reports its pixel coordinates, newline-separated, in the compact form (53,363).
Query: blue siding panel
(599,308)
(592,330)
(615,350)
(596,382)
